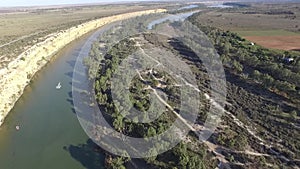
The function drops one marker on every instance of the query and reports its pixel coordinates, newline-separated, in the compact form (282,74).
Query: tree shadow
(69,74)
(70,100)
(71,63)
(297,50)
(89,154)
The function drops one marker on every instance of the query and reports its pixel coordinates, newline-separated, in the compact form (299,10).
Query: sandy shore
(17,75)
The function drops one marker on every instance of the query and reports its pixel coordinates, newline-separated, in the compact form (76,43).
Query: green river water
(50,136)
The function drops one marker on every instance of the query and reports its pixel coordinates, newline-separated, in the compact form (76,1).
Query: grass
(239,19)
(20,30)
(21,24)
(276,31)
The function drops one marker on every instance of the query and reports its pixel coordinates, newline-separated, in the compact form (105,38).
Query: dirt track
(277,42)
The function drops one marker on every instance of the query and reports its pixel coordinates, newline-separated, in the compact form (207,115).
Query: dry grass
(20,30)
(20,24)
(279,31)
(244,22)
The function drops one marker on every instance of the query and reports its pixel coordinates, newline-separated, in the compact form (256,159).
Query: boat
(17,127)
(58,86)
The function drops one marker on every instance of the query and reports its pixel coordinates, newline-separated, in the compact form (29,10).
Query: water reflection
(172,18)
(188,7)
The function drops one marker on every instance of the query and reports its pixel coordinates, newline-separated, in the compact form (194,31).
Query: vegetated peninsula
(16,74)
(260,128)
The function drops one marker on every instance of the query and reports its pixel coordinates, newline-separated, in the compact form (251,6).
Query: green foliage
(237,66)
(251,63)
(117,163)
(232,139)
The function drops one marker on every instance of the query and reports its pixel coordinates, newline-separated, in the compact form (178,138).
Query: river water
(172,18)
(50,136)
(220,6)
(188,7)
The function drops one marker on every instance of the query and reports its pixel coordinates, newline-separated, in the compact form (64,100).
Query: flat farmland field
(277,42)
(274,39)
(239,20)
(275,26)
(267,33)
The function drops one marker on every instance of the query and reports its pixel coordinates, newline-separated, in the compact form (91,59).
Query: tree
(268,80)
(237,66)
(256,74)
(196,162)
(294,114)
(153,155)
(241,142)
(117,163)
(151,132)
(118,122)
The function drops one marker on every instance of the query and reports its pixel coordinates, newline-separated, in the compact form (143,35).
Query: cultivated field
(266,24)
(277,42)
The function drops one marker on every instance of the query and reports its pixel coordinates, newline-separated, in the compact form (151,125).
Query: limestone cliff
(16,76)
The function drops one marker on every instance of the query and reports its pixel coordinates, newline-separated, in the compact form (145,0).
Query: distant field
(15,25)
(272,26)
(267,33)
(274,39)
(238,21)
(277,42)
(21,29)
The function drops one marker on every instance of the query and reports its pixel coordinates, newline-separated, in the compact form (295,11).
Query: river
(172,18)
(50,136)
(220,6)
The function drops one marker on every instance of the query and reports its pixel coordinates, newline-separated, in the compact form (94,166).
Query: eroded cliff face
(16,76)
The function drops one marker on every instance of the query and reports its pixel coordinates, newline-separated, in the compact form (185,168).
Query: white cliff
(16,76)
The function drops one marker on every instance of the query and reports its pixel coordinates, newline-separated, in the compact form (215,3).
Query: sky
(10,3)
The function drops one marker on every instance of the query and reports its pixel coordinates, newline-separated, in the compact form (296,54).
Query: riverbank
(17,75)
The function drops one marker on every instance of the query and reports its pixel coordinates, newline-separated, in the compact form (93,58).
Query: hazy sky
(9,3)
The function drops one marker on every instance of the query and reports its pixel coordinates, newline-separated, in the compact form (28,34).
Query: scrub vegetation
(260,128)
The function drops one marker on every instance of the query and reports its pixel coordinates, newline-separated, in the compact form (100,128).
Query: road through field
(23,37)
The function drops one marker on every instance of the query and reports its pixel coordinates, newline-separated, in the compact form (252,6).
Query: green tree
(118,122)
(117,163)
(237,66)
(151,132)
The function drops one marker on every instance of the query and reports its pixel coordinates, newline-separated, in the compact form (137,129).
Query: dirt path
(217,105)
(212,147)
(20,38)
